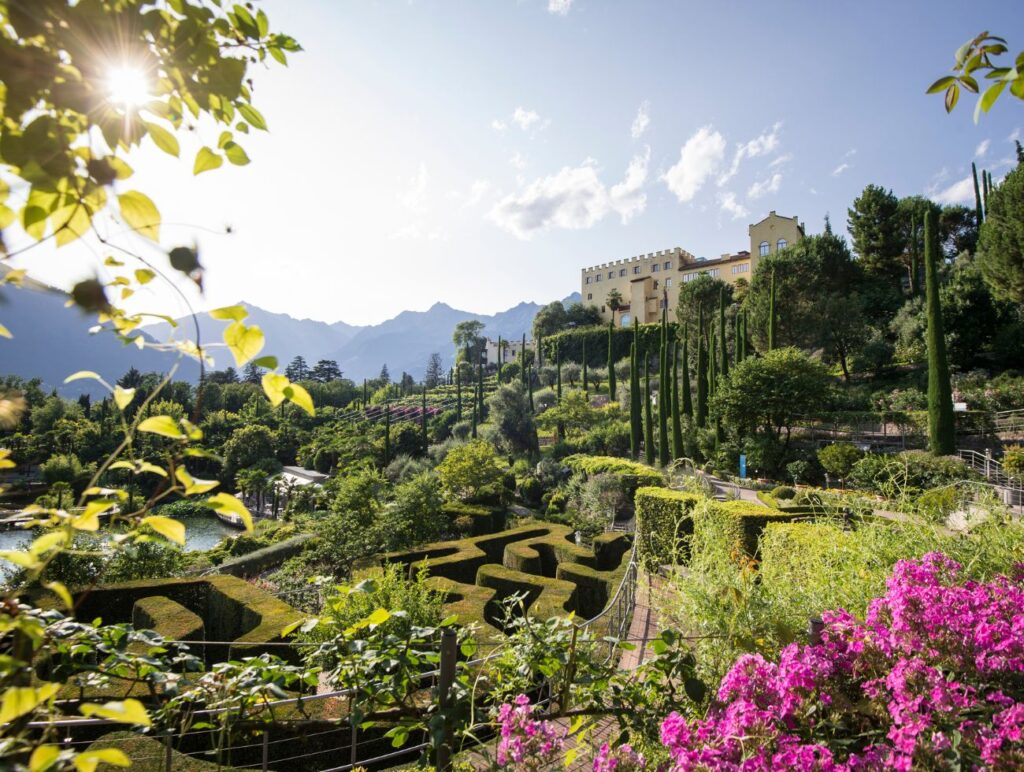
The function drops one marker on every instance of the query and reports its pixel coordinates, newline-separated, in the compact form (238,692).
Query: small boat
(230,518)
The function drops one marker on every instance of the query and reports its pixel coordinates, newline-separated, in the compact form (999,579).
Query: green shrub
(632,474)
(557,503)
(1013,460)
(168,618)
(482,519)
(471,472)
(909,472)
(838,459)
(783,492)
(531,490)
(663,524)
(741,525)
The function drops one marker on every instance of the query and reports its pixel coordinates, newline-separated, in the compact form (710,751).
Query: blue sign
(743,467)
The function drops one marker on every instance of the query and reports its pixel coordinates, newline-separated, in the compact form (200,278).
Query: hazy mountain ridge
(51,341)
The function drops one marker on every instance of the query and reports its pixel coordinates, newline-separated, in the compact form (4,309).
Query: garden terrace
(541,561)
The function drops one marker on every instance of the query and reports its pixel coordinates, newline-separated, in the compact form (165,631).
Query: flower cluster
(526,743)
(620,759)
(933,677)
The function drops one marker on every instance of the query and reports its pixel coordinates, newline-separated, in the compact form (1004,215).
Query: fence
(1010,488)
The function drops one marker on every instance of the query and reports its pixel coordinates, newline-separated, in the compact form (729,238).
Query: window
(590,296)
(636,269)
(668,265)
(655,268)
(781,244)
(668,283)
(625,320)
(611,274)
(622,272)
(655,284)
(712,272)
(763,249)
(597,278)
(690,276)
(743,268)
(588,280)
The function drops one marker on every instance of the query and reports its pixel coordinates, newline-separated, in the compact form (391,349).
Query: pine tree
(648,418)
(977,207)
(385,376)
(677,421)
(1020,151)
(771,315)
(702,372)
(687,399)
(721,334)
(941,428)
(611,364)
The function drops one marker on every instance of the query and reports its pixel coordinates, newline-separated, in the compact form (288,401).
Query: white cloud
(641,121)
(517,161)
(413,232)
(559,7)
(982,148)
(959,192)
(476,193)
(840,169)
(782,159)
(760,145)
(763,187)
(574,198)
(727,201)
(414,197)
(699,158)
(525,118)
(1014,135)
(498,125)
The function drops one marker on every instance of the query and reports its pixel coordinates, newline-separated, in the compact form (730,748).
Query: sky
(481,153)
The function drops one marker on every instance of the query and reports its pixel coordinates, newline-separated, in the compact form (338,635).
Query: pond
(202,532)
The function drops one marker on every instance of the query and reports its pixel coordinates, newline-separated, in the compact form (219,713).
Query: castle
(648,283)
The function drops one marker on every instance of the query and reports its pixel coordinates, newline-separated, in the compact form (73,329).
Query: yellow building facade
(648,283)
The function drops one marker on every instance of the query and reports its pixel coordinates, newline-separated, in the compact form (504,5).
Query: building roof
(303,474)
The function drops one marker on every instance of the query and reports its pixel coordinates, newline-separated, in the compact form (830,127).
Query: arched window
(625,320)
(764,248)
(781,244)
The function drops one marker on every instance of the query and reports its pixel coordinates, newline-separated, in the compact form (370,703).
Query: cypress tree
(480,390)
(915,268)
(977,210)
(677,422)
(387,434)
(366,394)
(687,399)
(721,334)
(540,352)
(771,315)
(529,380)
(500,362)
(941,428)
(985,181)
(713,357)
(634,405)
(586,387)
(476,419)
(558,366)
(702,371)
(522,362)
(423,421)
(458,392)
(648,419)
(611,364)
(663,396)
(736,337)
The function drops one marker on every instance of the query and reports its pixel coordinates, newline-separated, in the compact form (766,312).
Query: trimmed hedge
(263,559)
(745,521)
(545,596)
(168,618)
(663,523)
(486,520)
(633,475)
(467,602)
(570,343)
(795,552)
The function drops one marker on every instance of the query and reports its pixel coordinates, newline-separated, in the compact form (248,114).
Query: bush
(471,471)
(631,474)
(664,525)
(531,490)
(838,459)
(599,501)
(557,503)
(404,467)
(1013,460)
(908,472)
(783,492)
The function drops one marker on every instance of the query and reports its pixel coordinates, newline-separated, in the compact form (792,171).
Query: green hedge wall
(571,343)
(259,561)
(168,618)
(795,554)
(486,520)
(663,523)
(545,596)
(745,522)
(634,475)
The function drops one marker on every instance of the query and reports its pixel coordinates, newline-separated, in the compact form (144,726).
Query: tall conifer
(648,418)
(687,399)
(677,422)
(941,427)
(612,386)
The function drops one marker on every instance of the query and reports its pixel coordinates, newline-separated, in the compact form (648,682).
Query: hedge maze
(540,561)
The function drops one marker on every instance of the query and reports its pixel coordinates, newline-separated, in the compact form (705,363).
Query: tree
(579,315)
(649,450)
(228,375)
(385,376)
(614,302)
(704,292)
(978,215)
(434,376)
(876,229)
(1001,240)
(470,472)
(550,319)
(765,396)
(253,373)
(513,421)
(941,428)
(297,369)
(326,371)
(250,446)
(839,457)
(612,386)
(975,56)
(468,340)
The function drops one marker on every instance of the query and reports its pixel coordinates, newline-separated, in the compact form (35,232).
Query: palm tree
(614,302)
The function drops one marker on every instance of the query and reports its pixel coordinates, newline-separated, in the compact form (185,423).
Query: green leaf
(140,213)
(227,504)
(167,527)
(233,313)
(144,275)
(123,397)
(5,333)
(252,116)
(988,99)
(268,361)
(83,374)
(243,342)
(60,591)
(43,758)
(941,84)
(163,425)
(299,396)
(378,617)
(19,700)
(163,139)
(126,712)
(236,154)
(206,160)
(952,95)
(90,760)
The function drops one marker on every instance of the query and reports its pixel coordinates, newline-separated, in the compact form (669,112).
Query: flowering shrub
(933,678)
(526,743)
(621,759)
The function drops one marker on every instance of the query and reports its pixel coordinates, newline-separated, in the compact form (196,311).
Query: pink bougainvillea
(933,677)
(620,759)
(526,743)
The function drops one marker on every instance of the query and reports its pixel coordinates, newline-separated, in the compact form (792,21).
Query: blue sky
(481,153)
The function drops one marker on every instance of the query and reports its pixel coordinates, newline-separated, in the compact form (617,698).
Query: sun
(128,86)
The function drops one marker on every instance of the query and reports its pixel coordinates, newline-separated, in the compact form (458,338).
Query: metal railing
(1009,487)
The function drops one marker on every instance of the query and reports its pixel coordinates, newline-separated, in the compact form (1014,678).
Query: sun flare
(128,86)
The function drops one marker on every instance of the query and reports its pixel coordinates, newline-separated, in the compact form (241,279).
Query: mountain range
(50,340)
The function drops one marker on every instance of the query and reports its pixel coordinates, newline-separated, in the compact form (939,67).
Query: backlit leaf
(61,591)
(140,213)
(232,313)
(206,160)
(299,396)
(243,342)
(123,397)
(252,116)
(4,332)
(127,712)
(163,425)
(236,154)
(88,761)
(83,374)
(227,504)
(167,527)
(163,139)
(144,275)
(19,700)
(43,758)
